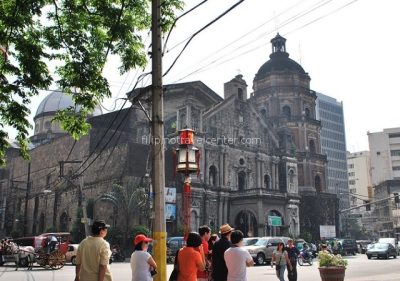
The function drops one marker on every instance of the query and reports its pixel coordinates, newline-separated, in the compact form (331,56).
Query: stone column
(220,168)
(276,172)
(205,172)
(257,173)
(225,170)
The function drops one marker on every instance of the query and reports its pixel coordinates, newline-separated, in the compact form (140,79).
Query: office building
(333,144)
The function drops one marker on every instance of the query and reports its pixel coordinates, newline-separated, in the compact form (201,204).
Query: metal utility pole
(81,196)
(28,189)
(157,150)
(83,203)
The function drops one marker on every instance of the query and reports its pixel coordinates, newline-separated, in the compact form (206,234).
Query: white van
(392,241)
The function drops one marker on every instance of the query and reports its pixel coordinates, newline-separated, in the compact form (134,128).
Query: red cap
(141,238)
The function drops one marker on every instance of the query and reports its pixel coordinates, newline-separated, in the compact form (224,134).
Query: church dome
(56,101)
(279,60)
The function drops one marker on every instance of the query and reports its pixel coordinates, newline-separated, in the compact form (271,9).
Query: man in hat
(220,271)
(293,254)
(93,255)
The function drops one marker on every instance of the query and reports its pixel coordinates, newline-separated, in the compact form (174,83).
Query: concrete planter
(332,273)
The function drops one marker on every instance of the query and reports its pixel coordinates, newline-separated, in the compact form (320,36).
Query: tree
(130,200)
(76,36)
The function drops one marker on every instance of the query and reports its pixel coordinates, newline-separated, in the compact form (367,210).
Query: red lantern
(186,137)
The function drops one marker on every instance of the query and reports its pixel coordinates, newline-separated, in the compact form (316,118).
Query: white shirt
(140,267)
(235,259)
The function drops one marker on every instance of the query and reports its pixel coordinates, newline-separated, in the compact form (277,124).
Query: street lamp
(188,158)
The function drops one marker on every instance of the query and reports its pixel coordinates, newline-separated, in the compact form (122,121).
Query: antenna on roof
(276,22)
(300,54)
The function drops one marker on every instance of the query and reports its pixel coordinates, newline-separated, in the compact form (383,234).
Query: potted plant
(331,267)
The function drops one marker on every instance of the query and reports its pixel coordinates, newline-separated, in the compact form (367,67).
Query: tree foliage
(76,36)
(129,200)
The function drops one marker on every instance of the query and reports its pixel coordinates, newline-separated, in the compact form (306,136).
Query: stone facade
(260,157)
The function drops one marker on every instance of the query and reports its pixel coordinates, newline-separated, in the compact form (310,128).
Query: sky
(350,49)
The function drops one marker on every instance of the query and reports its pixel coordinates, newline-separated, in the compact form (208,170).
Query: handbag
(175,271)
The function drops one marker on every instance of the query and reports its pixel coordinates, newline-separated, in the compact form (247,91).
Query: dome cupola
(279,60)
(47,110)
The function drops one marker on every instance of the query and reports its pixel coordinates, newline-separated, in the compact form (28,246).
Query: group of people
(205,257)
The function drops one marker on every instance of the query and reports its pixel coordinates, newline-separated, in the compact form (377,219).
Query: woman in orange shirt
(191,258)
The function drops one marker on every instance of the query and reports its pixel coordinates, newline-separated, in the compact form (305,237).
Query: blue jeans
(281,273)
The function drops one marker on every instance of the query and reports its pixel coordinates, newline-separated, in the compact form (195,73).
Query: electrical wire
(322,17)
(111,123)
(141,77)
(262,35)
(234,56)
(240,37)
(173,24)
(199,31)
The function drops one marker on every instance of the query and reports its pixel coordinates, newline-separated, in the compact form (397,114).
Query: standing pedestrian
(220,271)
(93,255)
(142,264)
(205,234)
(237,258)
(191,258)
(293,254)
(281,259)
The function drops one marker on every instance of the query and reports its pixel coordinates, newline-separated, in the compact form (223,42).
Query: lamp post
(188,162)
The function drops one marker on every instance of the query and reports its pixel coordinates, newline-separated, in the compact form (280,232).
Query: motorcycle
(306,256)
(117,256)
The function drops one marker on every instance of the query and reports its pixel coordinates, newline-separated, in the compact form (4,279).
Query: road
(359,269)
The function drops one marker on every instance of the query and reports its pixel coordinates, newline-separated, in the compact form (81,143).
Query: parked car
(71,254)
(249,241)
(261,252)
(362,245)
(381,250)
(392,241)
(349,246)
(173,245)
(343,246)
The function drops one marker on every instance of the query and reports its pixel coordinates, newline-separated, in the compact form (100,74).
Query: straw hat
(225,228)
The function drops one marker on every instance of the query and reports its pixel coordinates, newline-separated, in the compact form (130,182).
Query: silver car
(261,252)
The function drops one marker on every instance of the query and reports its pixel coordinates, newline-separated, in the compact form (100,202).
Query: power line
(208,66)
(260,36)
(199,31)
(173,24)
(240,37)
(113,134)
(322,17)
(111,123)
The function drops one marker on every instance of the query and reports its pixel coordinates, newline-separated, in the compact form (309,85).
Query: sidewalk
(380,277)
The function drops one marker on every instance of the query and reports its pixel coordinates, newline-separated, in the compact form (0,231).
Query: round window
(241,161)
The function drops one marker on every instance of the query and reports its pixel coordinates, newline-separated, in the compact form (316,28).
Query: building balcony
(292,120)
(257,192)
(310,155)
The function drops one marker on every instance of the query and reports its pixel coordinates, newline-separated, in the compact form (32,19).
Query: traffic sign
(274,221)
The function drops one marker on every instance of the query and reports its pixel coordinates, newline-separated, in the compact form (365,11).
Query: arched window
(307,113)
(240,93)
(212,176)
(242,181)
(267,181)
(312,146)
(64,222)
(291,176)
(263,113)
(286,111)
(195,221)
(41,223)
(317,183)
